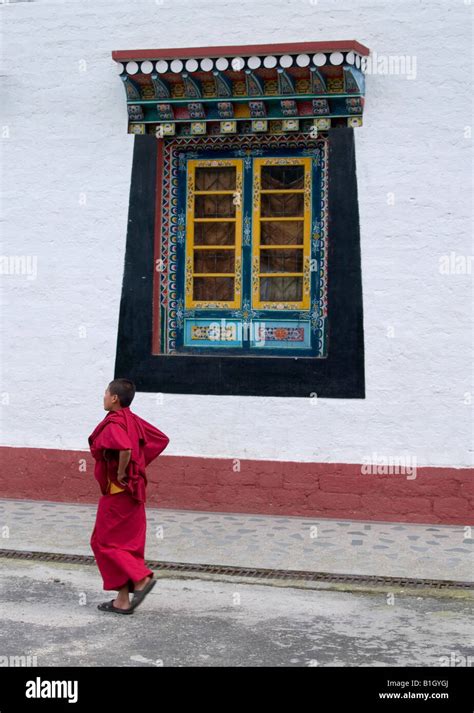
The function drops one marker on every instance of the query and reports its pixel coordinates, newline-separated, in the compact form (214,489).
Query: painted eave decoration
(274,89)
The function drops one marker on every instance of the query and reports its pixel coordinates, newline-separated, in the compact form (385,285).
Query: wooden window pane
(215,178)
(285,177)
(213,289)
(220,233)
(214,206)
(280,260)
(281,289)
(214,261)
(282,204)
(288,232)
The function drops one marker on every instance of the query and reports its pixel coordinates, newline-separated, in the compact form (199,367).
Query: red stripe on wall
(230,50)
(332,490)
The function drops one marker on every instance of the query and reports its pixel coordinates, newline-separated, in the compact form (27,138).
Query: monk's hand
(122,478)
(124,460)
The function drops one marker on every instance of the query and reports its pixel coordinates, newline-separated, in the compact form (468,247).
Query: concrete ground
(49,610)
(49,613)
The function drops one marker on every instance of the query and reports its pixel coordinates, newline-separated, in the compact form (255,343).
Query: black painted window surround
(339,375)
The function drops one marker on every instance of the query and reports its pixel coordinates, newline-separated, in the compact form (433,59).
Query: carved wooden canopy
(271,88)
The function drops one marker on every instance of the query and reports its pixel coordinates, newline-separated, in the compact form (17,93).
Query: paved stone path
(323,545)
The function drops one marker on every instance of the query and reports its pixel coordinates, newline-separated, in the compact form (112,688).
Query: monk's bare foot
(122,603)
(141,584)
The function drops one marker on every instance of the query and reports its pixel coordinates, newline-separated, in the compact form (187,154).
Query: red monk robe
(118,538)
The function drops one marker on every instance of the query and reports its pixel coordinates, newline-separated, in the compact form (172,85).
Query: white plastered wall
(67,163)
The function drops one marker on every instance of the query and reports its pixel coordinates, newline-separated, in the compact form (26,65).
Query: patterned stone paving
(322,545)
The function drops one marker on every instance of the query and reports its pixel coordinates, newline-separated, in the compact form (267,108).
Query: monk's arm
(124,460)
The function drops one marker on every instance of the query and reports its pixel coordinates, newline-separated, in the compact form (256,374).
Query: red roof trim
(229,50)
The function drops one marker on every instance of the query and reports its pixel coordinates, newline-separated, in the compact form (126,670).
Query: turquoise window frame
(307,329)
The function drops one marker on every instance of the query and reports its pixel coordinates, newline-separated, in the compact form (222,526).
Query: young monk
(123,444)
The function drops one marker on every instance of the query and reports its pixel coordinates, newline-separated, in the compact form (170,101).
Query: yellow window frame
(304,303)
(190,229)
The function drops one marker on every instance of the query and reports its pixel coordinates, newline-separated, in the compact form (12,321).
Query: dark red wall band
(333,490)
(229,50)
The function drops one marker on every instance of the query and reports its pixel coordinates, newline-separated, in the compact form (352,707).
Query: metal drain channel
(251,572)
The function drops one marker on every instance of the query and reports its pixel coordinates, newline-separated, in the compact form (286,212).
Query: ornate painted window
(242,266)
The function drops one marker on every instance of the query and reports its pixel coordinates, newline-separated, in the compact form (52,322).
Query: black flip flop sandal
(109,606)
(140,594)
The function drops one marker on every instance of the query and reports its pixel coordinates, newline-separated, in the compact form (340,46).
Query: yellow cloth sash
(114,488)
